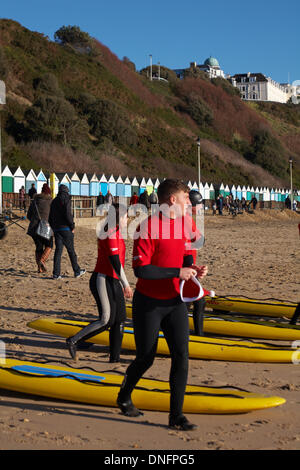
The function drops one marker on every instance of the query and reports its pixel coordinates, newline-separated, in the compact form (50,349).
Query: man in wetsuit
(159,263)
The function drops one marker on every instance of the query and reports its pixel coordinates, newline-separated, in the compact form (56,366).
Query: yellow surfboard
(269,308)
(244,328)
(199,347)
(101,388)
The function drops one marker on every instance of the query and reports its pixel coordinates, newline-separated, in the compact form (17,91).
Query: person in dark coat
(62,223)
(40,209)
(100,199)
(32,191)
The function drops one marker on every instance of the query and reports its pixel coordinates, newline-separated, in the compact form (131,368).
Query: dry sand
(254,255)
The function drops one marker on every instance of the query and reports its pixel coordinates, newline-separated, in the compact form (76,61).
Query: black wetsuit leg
(198,316)
(149,315)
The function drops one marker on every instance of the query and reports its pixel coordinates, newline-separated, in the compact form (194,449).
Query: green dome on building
(212,62)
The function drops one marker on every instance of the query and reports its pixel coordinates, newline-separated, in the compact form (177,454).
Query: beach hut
(244,192)
(221,190)
(156,184)
(103,185)
(30,179)
(212,193)
(53,180)
(40,181)
(112,186)
(127,187)
(63,178)
(190,184)
(75,185)
(94,185)
(84,185)
(195,186)
(233,191)
(248,194)
(7,181)
(266,194)
(226,190)
(19,180)
(272,195)
(206,192)
(120,190)
(143,185)
(239,192)
(149,186)
(261,195)
(135,188)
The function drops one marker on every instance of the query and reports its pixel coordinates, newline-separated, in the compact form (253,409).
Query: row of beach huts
(85,185)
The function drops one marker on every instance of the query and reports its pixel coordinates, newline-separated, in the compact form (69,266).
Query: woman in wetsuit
(108,285)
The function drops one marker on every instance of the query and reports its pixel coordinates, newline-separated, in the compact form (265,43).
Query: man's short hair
(169,187)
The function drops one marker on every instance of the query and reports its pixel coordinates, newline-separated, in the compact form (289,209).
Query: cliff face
(77,107)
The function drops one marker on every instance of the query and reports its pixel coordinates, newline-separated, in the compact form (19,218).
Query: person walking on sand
(109,286)
(39,209)
(62,223)
(22,201)
(159,264)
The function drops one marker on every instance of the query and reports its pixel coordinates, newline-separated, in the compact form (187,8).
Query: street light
(2,101)
(199,168)
(291,179)
(150,55)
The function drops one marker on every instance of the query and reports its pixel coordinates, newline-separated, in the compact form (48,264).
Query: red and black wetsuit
(106,285)
(158,256)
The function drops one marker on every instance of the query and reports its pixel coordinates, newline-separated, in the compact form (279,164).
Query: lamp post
(158,63)
(2,101)
(291,179)
(150,55)
(199,167)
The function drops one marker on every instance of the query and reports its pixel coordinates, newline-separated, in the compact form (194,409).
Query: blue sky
(245,36)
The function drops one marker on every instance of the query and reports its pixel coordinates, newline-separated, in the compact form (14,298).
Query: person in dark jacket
(39,209)
(62,223)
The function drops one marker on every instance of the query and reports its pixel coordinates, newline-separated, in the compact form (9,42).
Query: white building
(211,67)
(258,87)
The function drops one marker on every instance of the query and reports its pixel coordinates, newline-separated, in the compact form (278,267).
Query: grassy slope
(157,111)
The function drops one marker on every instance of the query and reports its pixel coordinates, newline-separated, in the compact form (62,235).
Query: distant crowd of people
(233,205)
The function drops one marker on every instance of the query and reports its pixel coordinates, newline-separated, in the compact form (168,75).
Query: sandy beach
(255,255)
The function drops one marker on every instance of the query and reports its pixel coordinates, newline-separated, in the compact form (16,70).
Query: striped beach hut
(75,185)
(7,179)
(84,185)
(120,189)
(40,181)
(103,185)
(127,187)
(19,180)
(94,185)
(30,179)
